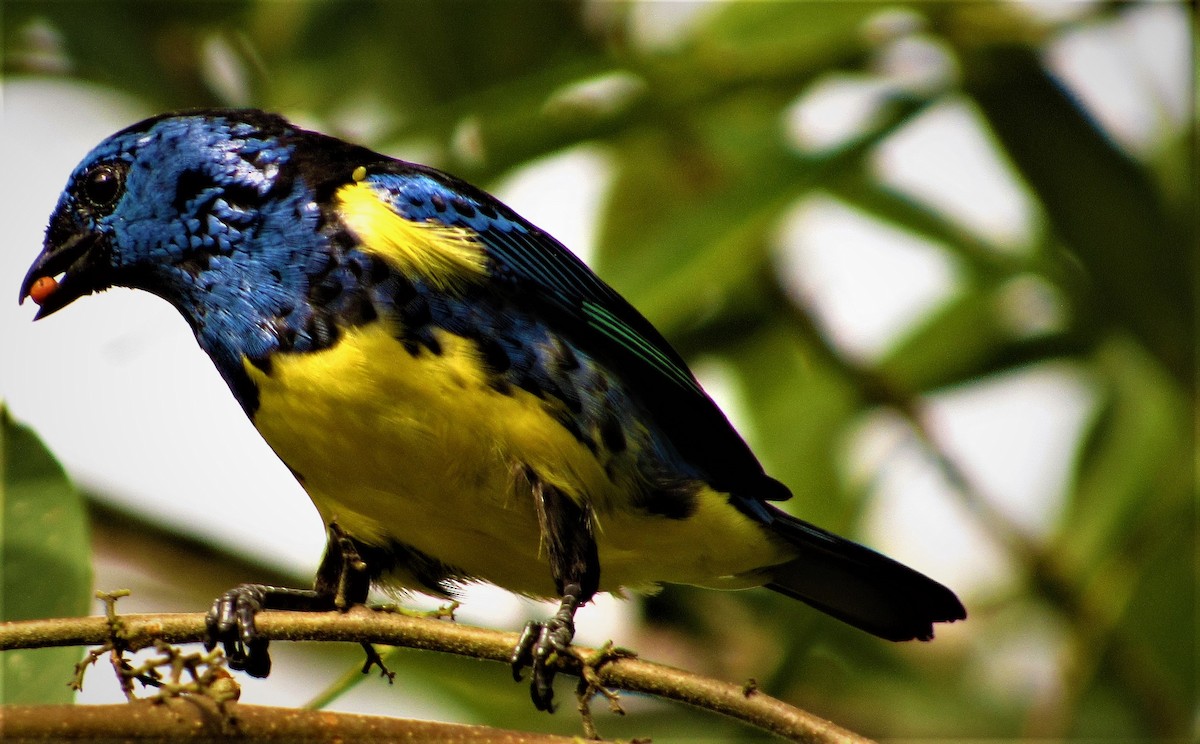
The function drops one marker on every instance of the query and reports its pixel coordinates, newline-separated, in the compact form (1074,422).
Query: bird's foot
(543,645)
(231,622)
(538,642)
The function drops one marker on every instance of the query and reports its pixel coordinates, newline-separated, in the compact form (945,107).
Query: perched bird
(461,397)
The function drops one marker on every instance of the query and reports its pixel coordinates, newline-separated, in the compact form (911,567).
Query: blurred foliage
(703,176)
(47,562)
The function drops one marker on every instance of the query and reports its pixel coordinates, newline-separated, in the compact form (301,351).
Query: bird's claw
(230,622)
(538,641)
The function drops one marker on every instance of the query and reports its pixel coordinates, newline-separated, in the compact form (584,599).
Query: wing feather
(539,270)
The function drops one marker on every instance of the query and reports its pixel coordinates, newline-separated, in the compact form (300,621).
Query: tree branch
(197,718)
(374,626)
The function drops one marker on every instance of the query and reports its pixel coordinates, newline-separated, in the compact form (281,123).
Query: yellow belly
(421,450)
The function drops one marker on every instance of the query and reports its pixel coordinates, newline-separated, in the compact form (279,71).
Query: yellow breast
(420,449)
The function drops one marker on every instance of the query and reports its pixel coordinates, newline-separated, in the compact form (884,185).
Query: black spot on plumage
(316,264)
(487,210)
(673,500)
(244,199)
(357,308)
(276,275)
(283,333)
(244,390)
(502,274)
(325,291)
(599,383)
(190,184)
(415,340)
(612,434)
(366,310)
(287,339)
(494,356)
(415,313)
(464,208)
(195,265)
(263,363)
(321,269)
(322,330)
(403,291)
(500,385)
(426,338)
(527,379)
(564,358)
(378,272)
(438,202)
(564,391)
(342,241)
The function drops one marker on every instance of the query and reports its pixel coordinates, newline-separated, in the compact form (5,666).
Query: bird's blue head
(223,213)
(154,205)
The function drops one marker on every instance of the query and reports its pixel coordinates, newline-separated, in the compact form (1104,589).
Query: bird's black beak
(69,267)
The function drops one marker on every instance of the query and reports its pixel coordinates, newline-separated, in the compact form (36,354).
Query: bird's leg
(344,575)
(567,533)
(342,581)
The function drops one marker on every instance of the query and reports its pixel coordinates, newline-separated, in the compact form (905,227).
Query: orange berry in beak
(42,289)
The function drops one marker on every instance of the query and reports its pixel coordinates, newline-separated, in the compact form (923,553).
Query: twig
(199,719)
(362,625)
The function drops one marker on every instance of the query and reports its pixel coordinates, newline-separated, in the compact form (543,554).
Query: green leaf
(1155,667)
(969,338)
(1104,204)
(1134,463)
(150,49)
(953,344)
(46,556)
(1128,532)
(478,71)
(427,52)
(767,40)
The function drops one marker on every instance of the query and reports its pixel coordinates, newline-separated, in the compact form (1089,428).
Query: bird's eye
(102,185)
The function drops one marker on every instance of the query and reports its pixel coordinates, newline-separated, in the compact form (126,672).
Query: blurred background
(934,260)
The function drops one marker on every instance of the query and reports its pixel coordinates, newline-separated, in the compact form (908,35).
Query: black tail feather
(859,586)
